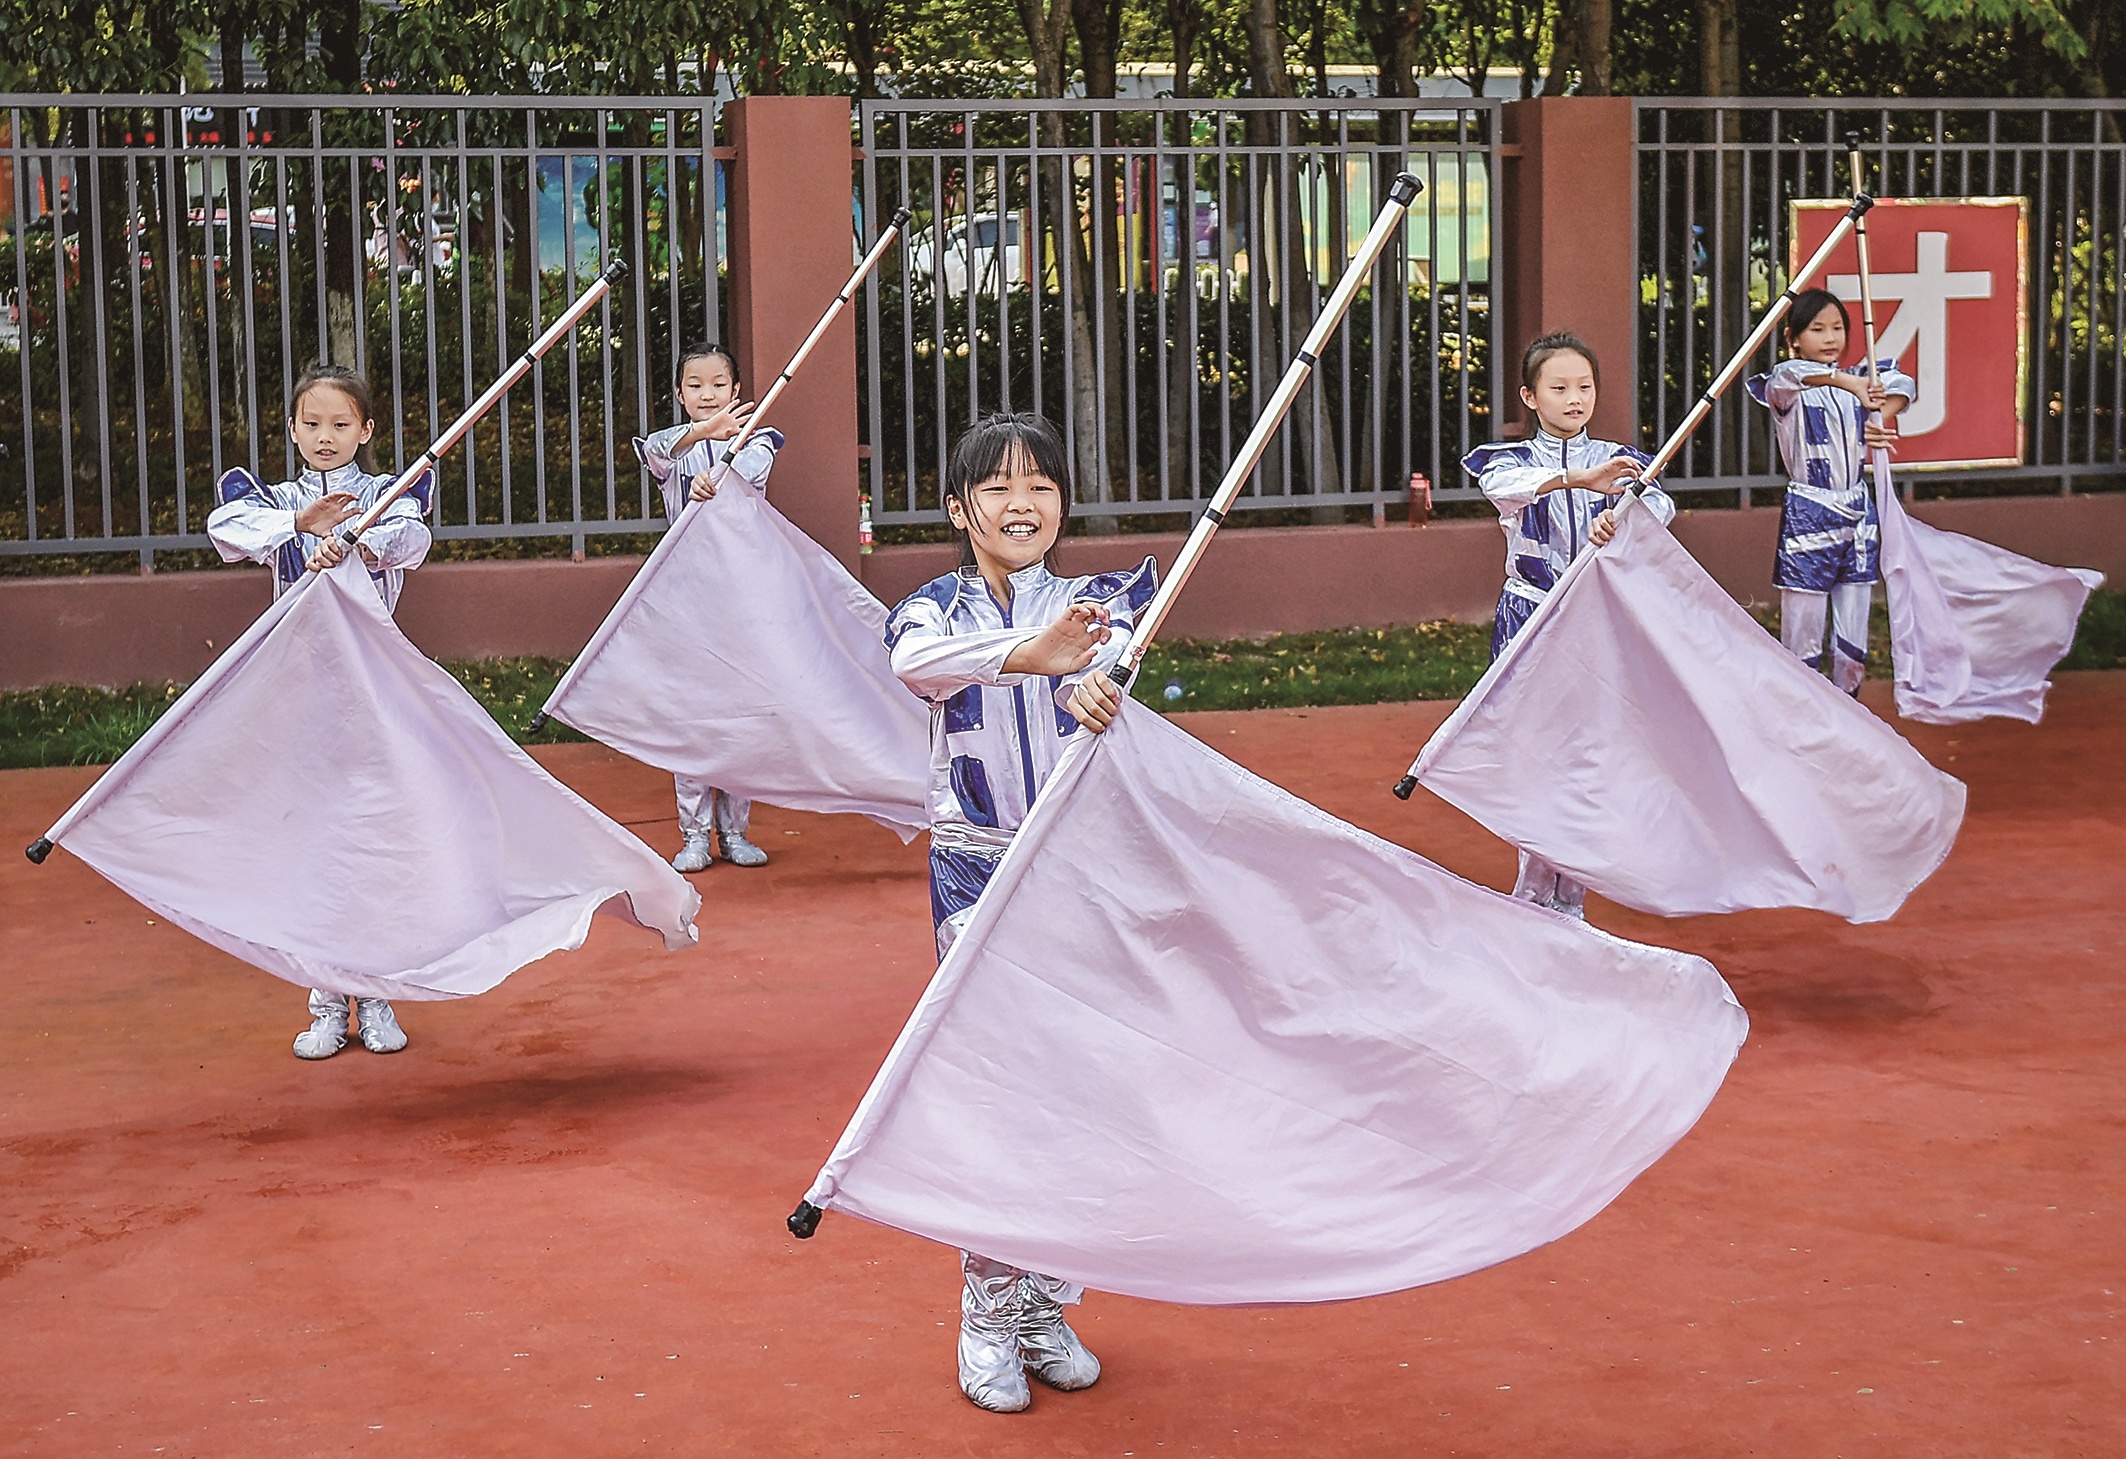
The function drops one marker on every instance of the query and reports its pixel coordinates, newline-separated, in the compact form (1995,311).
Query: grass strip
(68,725)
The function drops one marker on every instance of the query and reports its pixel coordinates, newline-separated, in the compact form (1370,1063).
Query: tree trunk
(1391,29)
(340,42)
(1720,74)
(1183,17)
(1098,25)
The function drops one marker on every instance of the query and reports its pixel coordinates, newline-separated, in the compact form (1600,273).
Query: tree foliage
(984,47)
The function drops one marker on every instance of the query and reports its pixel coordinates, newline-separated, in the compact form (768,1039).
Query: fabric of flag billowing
(1974,628)
(1203,1042)
(330,806)
(743,654)
(1646,737)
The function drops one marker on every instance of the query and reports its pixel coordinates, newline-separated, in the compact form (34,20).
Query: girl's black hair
(349,384)
(704,350)
(995,446)
(1807,305)
(1562,342)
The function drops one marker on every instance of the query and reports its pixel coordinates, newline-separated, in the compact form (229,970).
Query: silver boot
(695,854)
(1051,1351)
(379,1026)
(992,1375)
(327,1033)
(737,850)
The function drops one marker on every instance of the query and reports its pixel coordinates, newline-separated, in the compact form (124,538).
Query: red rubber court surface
(553,1226)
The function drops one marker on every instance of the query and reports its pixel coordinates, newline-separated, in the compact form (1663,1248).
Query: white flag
(743,654)
(1645,736)
(330,806)
(1204,1042)
(1974,628)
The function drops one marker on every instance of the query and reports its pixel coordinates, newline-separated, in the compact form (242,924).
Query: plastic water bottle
(1174,691)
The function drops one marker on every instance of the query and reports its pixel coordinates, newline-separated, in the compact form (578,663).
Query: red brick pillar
(1565,206)
(791,244)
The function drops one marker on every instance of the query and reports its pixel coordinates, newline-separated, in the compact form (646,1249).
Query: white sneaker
(327,1033)
(696,854)
(739,851)
(379,1026)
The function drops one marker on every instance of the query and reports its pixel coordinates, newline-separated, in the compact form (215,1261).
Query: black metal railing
(169,267)
(1715,179)
(1137,270)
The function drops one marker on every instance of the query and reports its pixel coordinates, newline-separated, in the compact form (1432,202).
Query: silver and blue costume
(994,737)
(703,809)
(256,521)
(1829,539)
(994,740)
(1545,531)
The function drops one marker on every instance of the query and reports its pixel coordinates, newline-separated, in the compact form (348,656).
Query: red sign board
(1950,280)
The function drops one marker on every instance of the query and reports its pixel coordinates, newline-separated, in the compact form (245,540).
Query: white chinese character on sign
(1922,298)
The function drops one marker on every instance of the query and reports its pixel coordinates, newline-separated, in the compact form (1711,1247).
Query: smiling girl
(1012,660)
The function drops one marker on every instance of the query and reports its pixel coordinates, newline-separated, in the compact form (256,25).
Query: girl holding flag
(290,526)
(1829,539)
(1556,494)
(1012,660)
(685,460)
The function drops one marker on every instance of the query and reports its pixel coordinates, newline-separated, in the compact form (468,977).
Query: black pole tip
(1852,139)
(38,850)
(901,217)
(616,271)
(1405,188)
(804,1220)
(1861,203)
(538,722)
(1404,786)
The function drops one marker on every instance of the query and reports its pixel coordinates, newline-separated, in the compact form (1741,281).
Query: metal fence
(1714,181)
(168,269)
(1142,272)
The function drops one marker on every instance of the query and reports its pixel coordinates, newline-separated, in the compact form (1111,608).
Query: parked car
(972,251)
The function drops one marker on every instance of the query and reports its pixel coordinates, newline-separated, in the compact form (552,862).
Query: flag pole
(1867,297)
(1402,192)
(601,286)
(1735,366)
(1670,448)
(754,422)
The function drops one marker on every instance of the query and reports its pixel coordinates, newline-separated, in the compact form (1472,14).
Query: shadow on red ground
(554,1225)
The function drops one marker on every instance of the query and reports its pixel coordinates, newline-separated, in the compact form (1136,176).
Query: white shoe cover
(380,1029)
(327,1033)
(739,851)
(1051,1351)
(696,854)
(992,1374)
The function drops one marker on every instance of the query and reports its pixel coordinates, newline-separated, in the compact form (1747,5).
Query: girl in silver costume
(1012,660)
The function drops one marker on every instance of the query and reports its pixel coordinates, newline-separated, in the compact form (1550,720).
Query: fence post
(791,249)
(1566,206)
